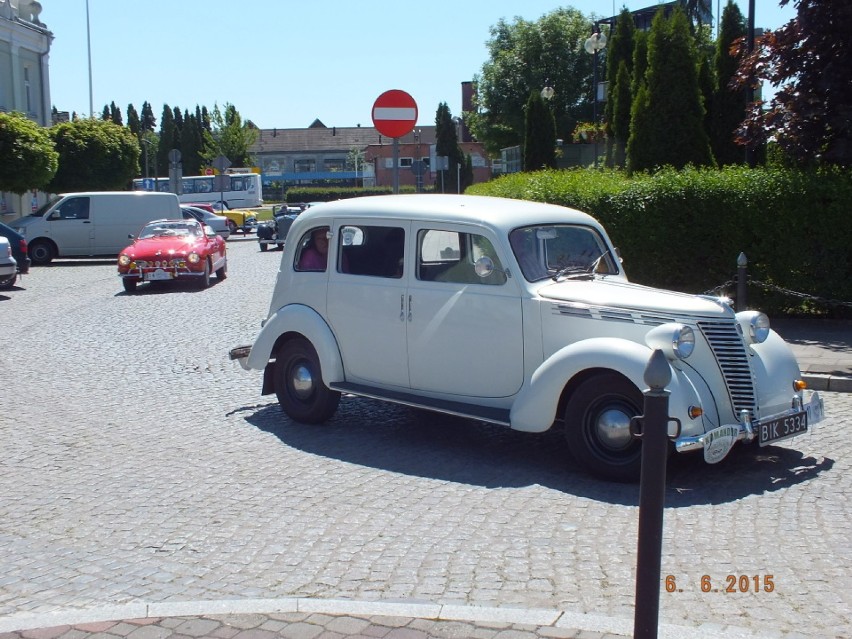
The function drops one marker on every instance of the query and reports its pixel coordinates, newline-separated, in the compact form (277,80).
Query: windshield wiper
(573,272)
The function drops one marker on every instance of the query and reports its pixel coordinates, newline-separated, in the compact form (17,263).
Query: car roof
(501,214)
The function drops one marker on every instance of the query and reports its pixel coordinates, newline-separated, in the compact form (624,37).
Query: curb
(583,622)
(829,383)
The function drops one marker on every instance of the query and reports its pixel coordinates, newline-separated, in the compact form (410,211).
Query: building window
(334,165)
(27,95)
(304,166)
(406,162)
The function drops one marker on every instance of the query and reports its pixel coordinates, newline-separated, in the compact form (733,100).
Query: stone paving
(141,468)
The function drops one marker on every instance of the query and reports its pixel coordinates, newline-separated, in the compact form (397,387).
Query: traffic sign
(394,113)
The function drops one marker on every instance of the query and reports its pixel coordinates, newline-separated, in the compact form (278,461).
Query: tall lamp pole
(89,43)
(596,42)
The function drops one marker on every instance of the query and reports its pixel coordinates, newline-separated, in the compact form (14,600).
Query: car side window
(375,251)
(75,208)
(450,256)
(312,251)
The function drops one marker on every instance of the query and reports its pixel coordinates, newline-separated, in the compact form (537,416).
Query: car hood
(628,296)
(159,246)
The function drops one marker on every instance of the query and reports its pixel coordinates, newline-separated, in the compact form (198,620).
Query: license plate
(159,274)
(773,430)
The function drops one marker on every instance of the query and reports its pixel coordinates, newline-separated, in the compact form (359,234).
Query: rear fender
(304,321)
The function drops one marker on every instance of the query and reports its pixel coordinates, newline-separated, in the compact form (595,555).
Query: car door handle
(409,308)
(402,307)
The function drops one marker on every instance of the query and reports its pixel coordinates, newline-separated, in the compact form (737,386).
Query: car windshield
(170,229)
(560,250)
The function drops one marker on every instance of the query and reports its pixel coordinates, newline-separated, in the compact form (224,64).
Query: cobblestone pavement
(143,472)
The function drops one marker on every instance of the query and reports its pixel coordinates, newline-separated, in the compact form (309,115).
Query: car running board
(472,411)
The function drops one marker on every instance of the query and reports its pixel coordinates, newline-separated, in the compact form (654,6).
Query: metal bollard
(742,262)
(652,485)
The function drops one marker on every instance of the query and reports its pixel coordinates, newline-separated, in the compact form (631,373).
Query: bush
(683,230)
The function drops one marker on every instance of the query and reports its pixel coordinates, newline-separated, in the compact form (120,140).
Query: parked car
(91,223)
(519,314)
(275,231)
(168,250)
(8,265)
(238,219)
(218,223)
(19,247)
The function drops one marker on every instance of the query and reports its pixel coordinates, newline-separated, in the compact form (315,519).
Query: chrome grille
(730,351)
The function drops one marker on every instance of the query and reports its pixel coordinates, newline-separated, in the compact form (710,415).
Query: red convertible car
(167,250)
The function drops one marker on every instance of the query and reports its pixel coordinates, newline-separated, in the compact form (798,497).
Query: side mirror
(484,266)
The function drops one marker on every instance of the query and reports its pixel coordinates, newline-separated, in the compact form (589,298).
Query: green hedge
(683,230)
(327,194)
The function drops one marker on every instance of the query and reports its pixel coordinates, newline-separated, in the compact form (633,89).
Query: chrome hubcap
(301,381)
(613,429)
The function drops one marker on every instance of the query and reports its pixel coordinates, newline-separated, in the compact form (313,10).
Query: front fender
(535,408)
(775,370)
(297,318)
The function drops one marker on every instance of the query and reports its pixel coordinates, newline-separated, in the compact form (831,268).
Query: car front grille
(726,342)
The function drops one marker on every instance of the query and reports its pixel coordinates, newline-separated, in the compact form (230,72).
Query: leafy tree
(133,121)
(94,155)
(229,137)
(447,144)
(810,116)
(191,143)
(27,157)
(105,113)
(115,114)
(168,134)
(620,50)
(728,105)
(148,119)
(672,121)
(540,138)
(526,56)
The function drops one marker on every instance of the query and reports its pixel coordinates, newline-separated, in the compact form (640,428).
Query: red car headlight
(123,260)
(194,258)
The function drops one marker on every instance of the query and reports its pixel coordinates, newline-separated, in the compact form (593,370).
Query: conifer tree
(620,50)
(540,135)
(728,106)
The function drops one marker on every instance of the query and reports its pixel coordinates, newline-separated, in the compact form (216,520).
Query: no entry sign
(394,113)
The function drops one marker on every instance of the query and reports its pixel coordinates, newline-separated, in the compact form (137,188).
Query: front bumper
(718,442)
(161,274)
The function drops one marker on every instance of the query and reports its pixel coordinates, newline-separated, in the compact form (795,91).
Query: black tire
(597,422)
(41,252)
(205,279)
(299,386)
(263,247)
(8,282)
(222,273)
(129,285)
(233,227)
(280,247)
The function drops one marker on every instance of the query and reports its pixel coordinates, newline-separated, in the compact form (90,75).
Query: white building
(24,78)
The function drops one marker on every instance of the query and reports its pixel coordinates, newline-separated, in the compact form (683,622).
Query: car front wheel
(299,386)
(233,227)
(41,252)
(597,427)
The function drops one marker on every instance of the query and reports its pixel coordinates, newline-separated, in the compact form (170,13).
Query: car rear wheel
(222,273)
(233,227)
(41,252)
(299,386)
(263,248)
(129,285)
(9,281)
(597,427)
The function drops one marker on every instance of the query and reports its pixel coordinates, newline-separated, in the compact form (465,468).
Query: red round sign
(394,113)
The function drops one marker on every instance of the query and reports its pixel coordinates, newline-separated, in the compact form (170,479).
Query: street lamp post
(595,43)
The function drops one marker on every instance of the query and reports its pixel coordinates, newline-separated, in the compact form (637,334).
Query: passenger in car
(314,256)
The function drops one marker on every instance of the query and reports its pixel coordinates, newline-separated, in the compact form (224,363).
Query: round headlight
(193,258)
(123,260)
(755,326)
(677,341)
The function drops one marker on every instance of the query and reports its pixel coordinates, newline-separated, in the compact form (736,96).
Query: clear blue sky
(284,63)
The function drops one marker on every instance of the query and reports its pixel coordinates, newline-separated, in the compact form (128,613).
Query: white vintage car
(515,313)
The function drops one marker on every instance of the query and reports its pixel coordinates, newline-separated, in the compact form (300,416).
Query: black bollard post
(742,262)
(652,485)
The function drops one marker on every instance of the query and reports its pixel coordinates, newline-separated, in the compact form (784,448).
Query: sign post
(394,115)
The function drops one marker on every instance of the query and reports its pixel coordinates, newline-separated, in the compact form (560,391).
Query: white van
(96,223)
